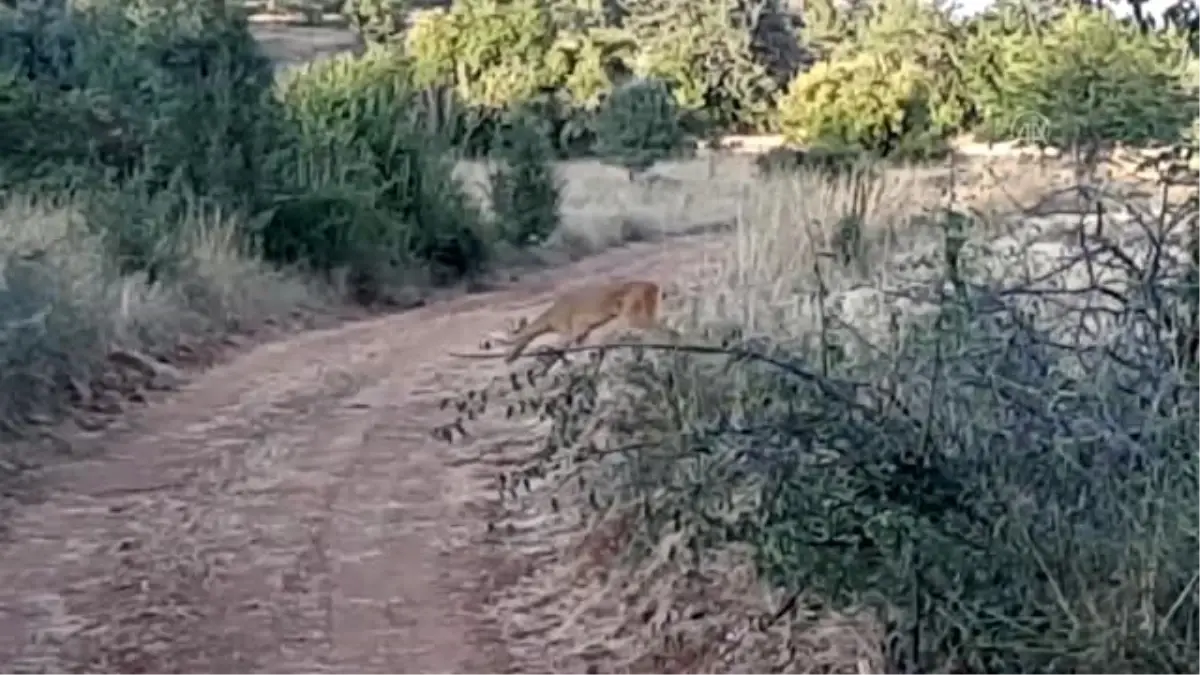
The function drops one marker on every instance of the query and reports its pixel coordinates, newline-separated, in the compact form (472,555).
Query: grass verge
(79,337)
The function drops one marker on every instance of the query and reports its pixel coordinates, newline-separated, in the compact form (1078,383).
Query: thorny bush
(1010,477)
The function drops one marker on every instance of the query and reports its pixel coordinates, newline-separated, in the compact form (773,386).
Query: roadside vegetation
(930,416)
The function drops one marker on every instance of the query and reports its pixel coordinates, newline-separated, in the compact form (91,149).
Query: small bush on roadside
(638,125)
(525,194)
(66,306)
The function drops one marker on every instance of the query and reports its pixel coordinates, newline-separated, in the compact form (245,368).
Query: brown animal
(577,313)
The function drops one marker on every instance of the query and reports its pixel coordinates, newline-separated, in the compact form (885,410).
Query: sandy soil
(287,511)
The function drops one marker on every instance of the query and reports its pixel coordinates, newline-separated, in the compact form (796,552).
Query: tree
(705,51)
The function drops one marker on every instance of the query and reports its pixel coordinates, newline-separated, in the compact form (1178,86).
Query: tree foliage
(358,118)
(867,103)
(376,21)
(1085,76)
(705,52)
(493,52)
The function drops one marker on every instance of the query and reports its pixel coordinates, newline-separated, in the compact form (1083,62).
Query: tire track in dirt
(287,511)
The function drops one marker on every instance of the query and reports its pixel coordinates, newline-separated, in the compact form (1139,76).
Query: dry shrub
(602,208)
(74,330)
(956,444)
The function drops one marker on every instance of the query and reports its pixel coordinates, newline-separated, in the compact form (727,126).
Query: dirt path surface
(285,512)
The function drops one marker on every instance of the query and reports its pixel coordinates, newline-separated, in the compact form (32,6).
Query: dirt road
(285,512)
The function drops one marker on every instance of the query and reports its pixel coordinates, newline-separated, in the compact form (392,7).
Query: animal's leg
(580,336)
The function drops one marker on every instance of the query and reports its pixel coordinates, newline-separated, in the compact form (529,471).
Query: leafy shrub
(389,195)
(525,193)
(1085,76)
(638,125)
(30,155)
(165,95)
(469,129)
(864,103)
(568,128)
(432,43)
(500,56)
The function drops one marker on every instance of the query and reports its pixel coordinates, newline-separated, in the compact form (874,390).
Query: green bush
(525,193)
(469,129)
(386,193)
(584,63)
(162,95)
(865,103)
(30,155)
(638,125)
(1085,76)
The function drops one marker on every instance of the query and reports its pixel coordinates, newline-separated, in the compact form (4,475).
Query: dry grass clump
(77,335)
(602,208)
(903,435)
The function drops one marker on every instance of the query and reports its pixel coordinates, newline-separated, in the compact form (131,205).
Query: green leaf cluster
(638,125)
(493,52)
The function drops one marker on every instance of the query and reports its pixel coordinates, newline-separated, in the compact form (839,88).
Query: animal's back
(607,301)
(578,312)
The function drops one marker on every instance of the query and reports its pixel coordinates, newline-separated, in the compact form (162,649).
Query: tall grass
(66,305)
(903,437)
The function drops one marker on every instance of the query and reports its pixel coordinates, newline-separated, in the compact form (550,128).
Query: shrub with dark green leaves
(170,96)
(384,191)
(638,125)
(525,193)
(707,53)
(497,57)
